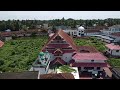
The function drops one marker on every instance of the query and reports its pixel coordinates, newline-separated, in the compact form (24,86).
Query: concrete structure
(113,49)
(104,38)
(112,29)
(80,31)
(75,74)
(116,36)
(42,63)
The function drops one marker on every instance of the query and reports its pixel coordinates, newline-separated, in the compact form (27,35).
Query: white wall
(8,38)
(89,61)
(115,53)
(42,70)
(67,57)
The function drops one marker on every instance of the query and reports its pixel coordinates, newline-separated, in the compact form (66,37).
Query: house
(112,29)
(88,59)
(113,50)
(116,36)
(76,32)
(91,32)
(1,43)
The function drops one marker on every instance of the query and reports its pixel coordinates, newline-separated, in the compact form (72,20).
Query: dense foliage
(19,54)
(23,24)
(92,41)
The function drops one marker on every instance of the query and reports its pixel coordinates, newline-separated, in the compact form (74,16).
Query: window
(117,50)
(92,60)
(98,68)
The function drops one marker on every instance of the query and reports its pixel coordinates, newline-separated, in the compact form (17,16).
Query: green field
(92,41)
(114,62)
(19,54)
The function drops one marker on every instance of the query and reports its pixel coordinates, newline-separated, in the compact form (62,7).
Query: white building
(113,49)
(76,32)
(81,31)
(112,29)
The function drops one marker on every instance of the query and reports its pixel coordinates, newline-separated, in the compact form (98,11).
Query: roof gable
(63,35)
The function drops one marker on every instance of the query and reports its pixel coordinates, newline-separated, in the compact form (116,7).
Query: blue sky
(46,15)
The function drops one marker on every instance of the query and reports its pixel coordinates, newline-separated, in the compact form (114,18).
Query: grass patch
(18,55)
(92,41)
(66,69)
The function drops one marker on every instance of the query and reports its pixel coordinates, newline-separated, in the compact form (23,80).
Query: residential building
(113,50)
(110,30)
(88,59)
(63,51)
(116,36)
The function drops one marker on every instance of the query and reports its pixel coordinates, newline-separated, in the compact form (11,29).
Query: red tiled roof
(116,34)
(65,36)
(6,33)
(91,49)
(101,27)
(57,76)
(89,56)
(89,64)
(50,35)
(1,44)
(113,47)
(92,30)
(58,59)
(18,32)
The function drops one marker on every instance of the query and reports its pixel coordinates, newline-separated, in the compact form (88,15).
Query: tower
(81,31)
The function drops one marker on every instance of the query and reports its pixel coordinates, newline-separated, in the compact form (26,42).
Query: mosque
(81,31)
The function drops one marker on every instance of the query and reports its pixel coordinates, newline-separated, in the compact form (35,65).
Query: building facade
(113,50)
